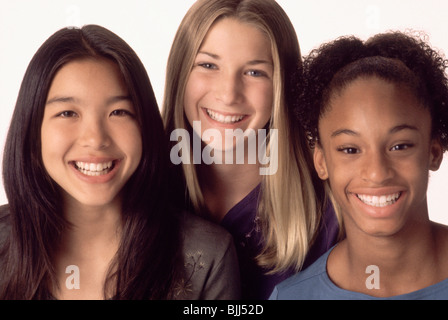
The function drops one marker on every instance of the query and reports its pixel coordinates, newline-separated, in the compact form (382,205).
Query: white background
(148,26)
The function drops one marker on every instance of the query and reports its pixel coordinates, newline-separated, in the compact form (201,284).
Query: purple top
(241,222)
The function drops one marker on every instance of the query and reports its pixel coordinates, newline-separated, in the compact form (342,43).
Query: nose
(94,134)
(377,168)
(229,89)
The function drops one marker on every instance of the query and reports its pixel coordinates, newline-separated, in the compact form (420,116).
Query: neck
(93,221)
(405,262)
(89,243)
(224,185)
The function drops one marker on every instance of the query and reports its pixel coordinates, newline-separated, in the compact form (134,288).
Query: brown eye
(399,147)
(121,113)
(348,150)
(67,114)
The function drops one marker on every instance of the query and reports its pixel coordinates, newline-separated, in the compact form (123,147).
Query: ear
(435,155)
(319,162)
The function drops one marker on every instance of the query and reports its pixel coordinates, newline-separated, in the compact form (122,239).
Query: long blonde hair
(291,200)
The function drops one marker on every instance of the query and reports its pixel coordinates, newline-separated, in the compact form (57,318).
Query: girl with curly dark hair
(376,113)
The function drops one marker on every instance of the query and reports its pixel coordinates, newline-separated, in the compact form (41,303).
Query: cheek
(416,173)
(131,144)
(263,99)
(194,91)
(340,175)
(54,143)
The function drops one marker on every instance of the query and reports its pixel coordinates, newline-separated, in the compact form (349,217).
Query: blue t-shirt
(314,284)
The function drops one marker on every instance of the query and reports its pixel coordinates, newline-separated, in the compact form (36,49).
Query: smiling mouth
(379,201)
(225,119)
(94,169)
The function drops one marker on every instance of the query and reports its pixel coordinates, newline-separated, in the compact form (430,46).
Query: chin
(93,202)
(382,229)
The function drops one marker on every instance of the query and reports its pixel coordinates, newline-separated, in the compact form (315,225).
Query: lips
(224,118)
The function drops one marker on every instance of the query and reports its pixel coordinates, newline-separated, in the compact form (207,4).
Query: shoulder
(197,230)
(304,284)
(4,212)
(210,261)
(441,235)
(207,240)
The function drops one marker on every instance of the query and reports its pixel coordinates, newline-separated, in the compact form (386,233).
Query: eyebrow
(391,131)
(61,100)
(214,56)
(344,131)
(403,127)
(251,62)
(109,101)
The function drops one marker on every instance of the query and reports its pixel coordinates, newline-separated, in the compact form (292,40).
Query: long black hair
(148,260)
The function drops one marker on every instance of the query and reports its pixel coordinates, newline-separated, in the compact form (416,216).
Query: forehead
(89,66)
(88,76)
(237,37)
(372,104)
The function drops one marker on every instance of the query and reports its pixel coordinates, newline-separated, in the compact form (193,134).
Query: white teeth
(93,169)
(222,118)
(379,201)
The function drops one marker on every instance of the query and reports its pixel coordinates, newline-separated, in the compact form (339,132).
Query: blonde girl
(243,54)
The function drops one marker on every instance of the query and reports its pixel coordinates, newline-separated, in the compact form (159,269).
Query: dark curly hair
(395,56)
